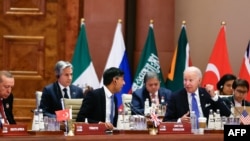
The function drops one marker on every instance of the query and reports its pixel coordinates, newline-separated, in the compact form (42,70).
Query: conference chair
(38,98)
(75,104)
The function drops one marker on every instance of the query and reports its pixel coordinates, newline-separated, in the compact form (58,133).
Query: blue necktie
(112,109)
(195,107)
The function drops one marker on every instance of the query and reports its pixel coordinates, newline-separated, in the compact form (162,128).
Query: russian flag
(118,58)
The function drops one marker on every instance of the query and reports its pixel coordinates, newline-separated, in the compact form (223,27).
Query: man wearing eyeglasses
(6,98)
(240,89)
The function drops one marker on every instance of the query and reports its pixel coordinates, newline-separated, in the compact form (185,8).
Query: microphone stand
(65,122)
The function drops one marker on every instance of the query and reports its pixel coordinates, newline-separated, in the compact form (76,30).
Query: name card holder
(14,130)
(174,128)
(89,129)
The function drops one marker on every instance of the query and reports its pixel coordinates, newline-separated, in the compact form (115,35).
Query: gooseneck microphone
(133,109)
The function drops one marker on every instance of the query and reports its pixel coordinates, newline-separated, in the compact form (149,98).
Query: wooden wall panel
(29,7)
(24,56)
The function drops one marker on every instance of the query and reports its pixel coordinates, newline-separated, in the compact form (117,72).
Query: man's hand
(108,125)
(210,89)
(185,118)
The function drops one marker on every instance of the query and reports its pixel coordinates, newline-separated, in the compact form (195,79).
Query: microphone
(65,122)
(227,107)
(133,109)
(62,102)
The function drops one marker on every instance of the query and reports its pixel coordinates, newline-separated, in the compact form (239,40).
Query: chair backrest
(126,98)
(76,105)
(38,98)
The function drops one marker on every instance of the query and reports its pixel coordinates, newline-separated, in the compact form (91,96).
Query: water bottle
(193,119)
(163,106)
(40,118)
(146,107)
(120,120)
(211,120)
(217,119)
(232,110)
(35,123)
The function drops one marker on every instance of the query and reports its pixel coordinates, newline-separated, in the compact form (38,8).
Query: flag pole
(183,22)
(151,21)
(223,23)
(82,20)
(119,20)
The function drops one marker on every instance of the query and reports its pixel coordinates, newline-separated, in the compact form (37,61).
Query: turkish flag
(219,62)
(62,115)
(245,68)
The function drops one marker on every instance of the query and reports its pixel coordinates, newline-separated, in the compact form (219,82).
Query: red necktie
(2,112)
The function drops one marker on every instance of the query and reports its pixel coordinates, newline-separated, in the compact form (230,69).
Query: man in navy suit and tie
(62,88)
(150,90)
(180,103)
(100,105)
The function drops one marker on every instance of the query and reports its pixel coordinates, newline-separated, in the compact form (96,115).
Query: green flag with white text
(149,61)
(84,73)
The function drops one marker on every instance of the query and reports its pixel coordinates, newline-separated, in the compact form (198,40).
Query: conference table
(121,136)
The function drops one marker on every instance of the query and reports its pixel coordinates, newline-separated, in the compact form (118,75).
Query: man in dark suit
(6,97)
(62,88)
(180,104)
(240,89)
(99,105)
(150,90)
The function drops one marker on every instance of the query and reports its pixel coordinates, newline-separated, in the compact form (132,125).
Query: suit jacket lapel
(103,102)
(202,99)
(57,89)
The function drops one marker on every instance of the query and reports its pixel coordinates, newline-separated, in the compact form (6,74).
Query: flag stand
(71,127)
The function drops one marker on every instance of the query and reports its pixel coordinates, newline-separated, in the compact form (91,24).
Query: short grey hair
(60,66)
(195,70)
(150,75)
(5,73)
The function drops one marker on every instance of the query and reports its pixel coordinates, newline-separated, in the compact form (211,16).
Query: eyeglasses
(240,91)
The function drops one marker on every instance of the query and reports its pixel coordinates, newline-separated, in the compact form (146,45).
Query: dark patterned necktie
(65,93)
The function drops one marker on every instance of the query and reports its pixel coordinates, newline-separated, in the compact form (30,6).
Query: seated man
(182,101)
(150,90)
(62,88)
(240,89)
(6,97)
(100,105)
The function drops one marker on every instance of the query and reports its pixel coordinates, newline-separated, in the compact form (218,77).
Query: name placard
(14,129)
(174,128)
(235,132)
(89,129)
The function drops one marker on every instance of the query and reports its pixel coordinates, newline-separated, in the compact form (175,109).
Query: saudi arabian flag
(84,73)
(149,61)
(180,62)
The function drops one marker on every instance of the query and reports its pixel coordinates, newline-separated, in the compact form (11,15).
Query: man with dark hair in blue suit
(62,88)
(150,90)
(180,103)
